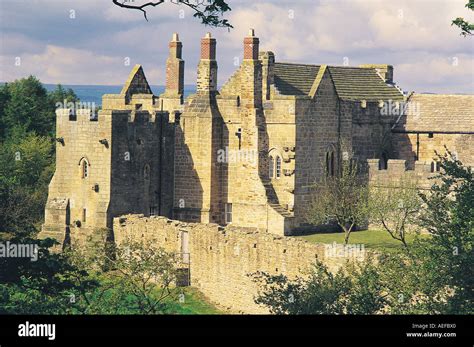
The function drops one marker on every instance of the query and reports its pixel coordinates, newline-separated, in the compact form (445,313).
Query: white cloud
(414,36)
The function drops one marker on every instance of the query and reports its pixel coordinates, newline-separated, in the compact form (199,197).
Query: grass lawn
(375,239)
(194,303)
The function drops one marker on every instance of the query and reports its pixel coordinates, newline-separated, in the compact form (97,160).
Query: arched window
(432,166)
(278,167)
(330,163)
(271,167)
(84,168)
(146,172)
(438,166)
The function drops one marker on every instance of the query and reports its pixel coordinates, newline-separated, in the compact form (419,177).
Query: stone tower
(198,138)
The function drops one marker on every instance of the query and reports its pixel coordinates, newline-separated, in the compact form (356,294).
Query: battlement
(396,170)
(66,115)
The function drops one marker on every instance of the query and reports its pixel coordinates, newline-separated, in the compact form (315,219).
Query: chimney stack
(384,70)
(175,68)
(251,46)
(207,68)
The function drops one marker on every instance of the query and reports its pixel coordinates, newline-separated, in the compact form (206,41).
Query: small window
(383,162)
(146,172)
(330,164)
(228,213)
(271,167)
(438,166)
(84,168)
(278,167)
(84,215)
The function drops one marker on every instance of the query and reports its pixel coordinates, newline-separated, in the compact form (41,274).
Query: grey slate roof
(434,112)
(352,83)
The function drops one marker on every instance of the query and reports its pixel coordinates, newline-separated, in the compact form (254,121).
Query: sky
(96,42)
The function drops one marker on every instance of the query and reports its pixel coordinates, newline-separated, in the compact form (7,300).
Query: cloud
(414,36)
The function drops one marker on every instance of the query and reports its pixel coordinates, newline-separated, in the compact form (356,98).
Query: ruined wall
(222,257)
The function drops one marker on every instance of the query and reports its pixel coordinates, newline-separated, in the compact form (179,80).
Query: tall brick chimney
(175,68)
(251,83)
(251,46)
(207,68)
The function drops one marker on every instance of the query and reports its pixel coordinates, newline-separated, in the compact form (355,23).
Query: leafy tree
(341,198)
(449,217)
(44,286)
(354,289)
(209,12)
(25,171)
(138,279)
(434,277)
(465,26)
(395,207)
(28,108)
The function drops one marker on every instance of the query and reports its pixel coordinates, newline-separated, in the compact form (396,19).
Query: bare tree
(395,207)
(341,198)
(210,12)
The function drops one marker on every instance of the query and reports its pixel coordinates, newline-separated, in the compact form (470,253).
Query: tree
(449,217)
(354,289)
(26,167)
(209,14)
(42,286)
(395,207)
(435,276)
(134,277)
(465,26)
(341,198)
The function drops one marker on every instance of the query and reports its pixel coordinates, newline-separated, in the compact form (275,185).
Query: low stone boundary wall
(222,257)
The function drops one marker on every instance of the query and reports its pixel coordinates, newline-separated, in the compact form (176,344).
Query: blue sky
(39,37)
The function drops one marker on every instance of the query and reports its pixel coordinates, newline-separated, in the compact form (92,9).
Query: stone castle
(246,154)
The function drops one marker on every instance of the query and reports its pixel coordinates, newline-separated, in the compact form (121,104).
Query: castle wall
(72,197)
(405,147)
(221,258)
(137,159)
(398,172)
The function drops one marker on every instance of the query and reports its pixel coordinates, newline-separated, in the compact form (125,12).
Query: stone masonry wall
(222,257)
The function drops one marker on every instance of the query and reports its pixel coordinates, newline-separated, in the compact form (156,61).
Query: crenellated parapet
(423,175)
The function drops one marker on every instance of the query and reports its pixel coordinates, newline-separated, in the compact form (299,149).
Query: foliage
(434,277)
(26,151)
(138,278)
(44,286)
(466,27)
(354,289)
(341,198)
(209,13)
(395,207)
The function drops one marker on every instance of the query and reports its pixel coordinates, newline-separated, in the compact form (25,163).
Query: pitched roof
(436,112)
(294,79)
(351,83)
(136,83)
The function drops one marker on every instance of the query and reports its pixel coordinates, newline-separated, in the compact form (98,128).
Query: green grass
(194,303)
(374,239)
